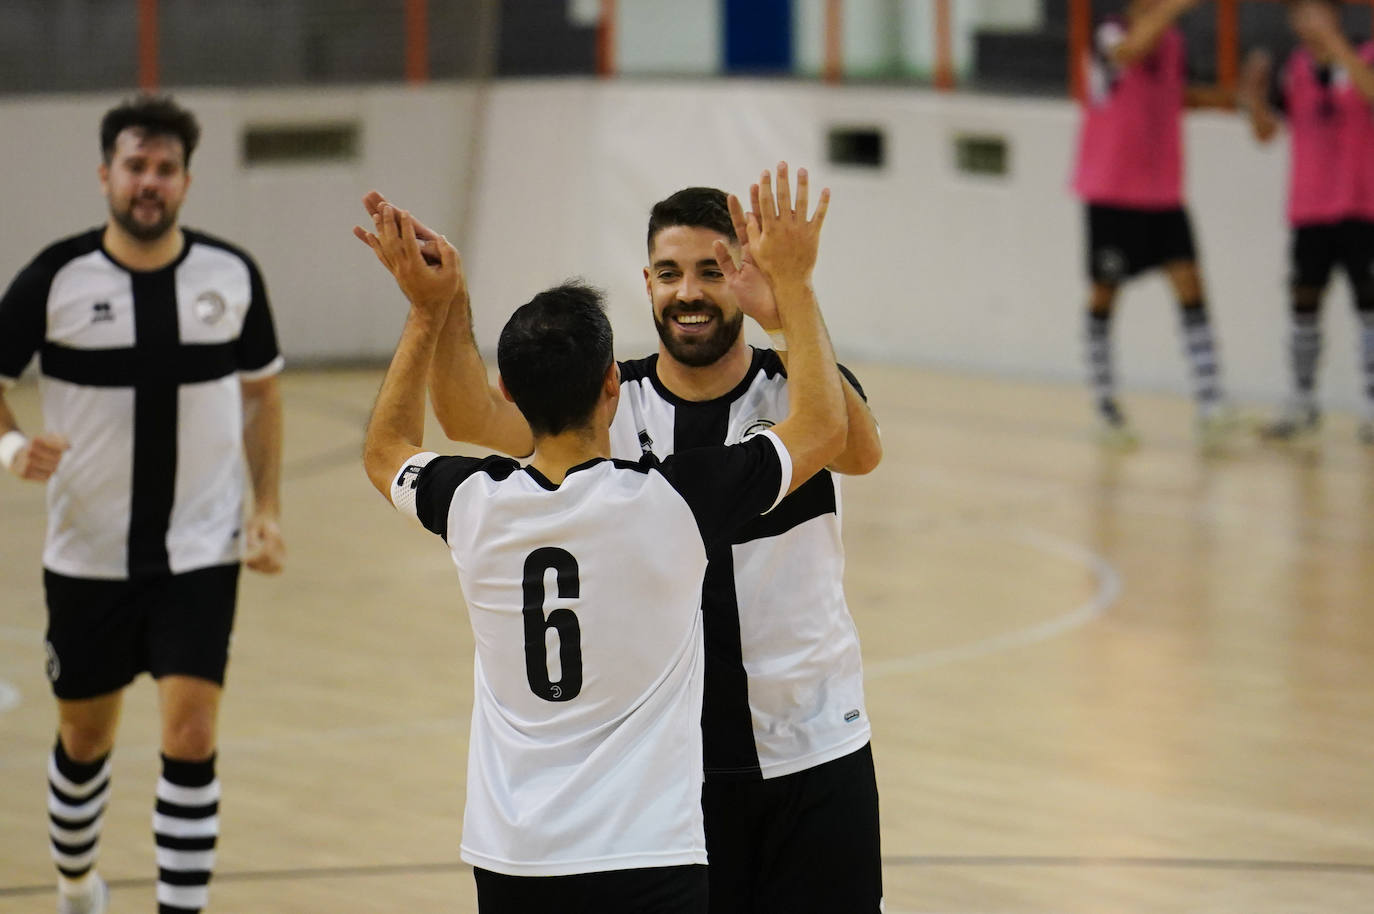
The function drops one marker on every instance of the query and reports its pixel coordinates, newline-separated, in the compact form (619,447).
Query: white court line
(1108,589)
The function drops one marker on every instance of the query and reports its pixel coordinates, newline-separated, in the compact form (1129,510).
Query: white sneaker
(1113,431)
(96,901)
(1297,420)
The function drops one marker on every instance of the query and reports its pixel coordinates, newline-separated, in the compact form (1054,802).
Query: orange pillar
(605,39)
(834,40)
(944,46)
(1228,35)
(1080,37)
(417,41)
(147,45)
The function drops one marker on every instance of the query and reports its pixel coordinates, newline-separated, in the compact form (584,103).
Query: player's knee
(85,743)
(191,739)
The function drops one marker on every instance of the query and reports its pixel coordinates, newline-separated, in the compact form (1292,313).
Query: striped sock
(1201,350)
(1097,335)
(185,826)
(1304,350)
(77,795)
(1367,355)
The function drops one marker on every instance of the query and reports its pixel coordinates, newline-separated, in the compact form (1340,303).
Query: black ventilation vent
(290,144)
(861,146)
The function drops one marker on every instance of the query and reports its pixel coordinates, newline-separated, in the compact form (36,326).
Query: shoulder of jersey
(55,255)
(196,236)
(637,369)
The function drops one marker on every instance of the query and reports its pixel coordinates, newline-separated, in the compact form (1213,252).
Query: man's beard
(706,349)
(140,230)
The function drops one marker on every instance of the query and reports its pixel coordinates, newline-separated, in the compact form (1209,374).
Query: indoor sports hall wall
(540,180)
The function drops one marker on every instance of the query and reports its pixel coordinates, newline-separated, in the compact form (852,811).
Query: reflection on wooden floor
(1098,682)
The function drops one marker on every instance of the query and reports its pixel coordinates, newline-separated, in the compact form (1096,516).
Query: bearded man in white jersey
(791,796)
(158,368)
(584,774)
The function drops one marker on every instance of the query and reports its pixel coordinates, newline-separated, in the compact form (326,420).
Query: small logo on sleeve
(410,476)
(646,442)
(851,716)
(753,428)
(54,666)
(101,312)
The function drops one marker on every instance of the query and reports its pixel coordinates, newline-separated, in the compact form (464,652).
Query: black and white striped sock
(77,795)
(1201,351)
(185,827)
(1304,351)
(1367,354)
(1097,336)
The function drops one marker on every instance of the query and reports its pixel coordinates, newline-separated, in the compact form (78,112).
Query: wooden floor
(1098,682)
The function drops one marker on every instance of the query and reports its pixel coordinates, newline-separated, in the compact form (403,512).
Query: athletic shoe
(96,902)
(1297,421)
(1113,430)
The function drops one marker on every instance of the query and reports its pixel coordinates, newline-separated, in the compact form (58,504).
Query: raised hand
(429,286)
(745,280)
(1254,78)
(37,460)
(429,239)
(782,240)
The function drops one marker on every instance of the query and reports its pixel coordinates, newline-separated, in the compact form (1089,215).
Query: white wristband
(11,443)
(779,341)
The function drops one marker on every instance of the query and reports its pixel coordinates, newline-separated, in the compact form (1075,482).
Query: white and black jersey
(140,372)
(784,679)
(585,604)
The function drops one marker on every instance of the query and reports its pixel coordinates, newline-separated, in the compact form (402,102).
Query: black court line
(416,869)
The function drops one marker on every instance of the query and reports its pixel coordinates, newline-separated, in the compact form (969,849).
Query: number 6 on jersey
(563,621)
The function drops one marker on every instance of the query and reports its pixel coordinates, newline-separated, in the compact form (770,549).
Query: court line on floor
(918,861)
(1108,589)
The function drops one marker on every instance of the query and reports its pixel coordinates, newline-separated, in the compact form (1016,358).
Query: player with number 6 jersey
(583,578)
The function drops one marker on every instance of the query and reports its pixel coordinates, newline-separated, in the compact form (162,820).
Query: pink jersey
(1331,174)
(1130,149)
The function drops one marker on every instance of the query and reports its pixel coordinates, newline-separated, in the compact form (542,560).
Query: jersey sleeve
(23,321)
(423,487)
(256,350)
(728,486)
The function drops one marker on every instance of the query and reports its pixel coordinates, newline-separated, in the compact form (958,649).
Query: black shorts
(798,843)
(101,634)
(655,890)
(1126,242)
(1317,249)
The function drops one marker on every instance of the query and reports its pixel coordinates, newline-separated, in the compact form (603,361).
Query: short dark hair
(694,207)
(553,354)
(155,115)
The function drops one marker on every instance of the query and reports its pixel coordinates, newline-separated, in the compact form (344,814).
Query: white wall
(920,264)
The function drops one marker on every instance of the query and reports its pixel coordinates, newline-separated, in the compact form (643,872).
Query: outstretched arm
(863,448)
(1147,29)
(468,406)
(395,431)
(783,243)
(1322,28)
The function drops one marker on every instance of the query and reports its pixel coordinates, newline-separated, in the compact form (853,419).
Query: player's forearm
(469,408)
(398,417)
(817,406)
(262,441)
(863,447)
(1361,74)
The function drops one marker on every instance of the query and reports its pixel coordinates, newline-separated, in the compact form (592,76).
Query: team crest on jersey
(101,312)
(753,428)
(54,666)
(209,307)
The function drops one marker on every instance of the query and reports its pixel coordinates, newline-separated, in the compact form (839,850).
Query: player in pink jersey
(1325,91)
(1129,174)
